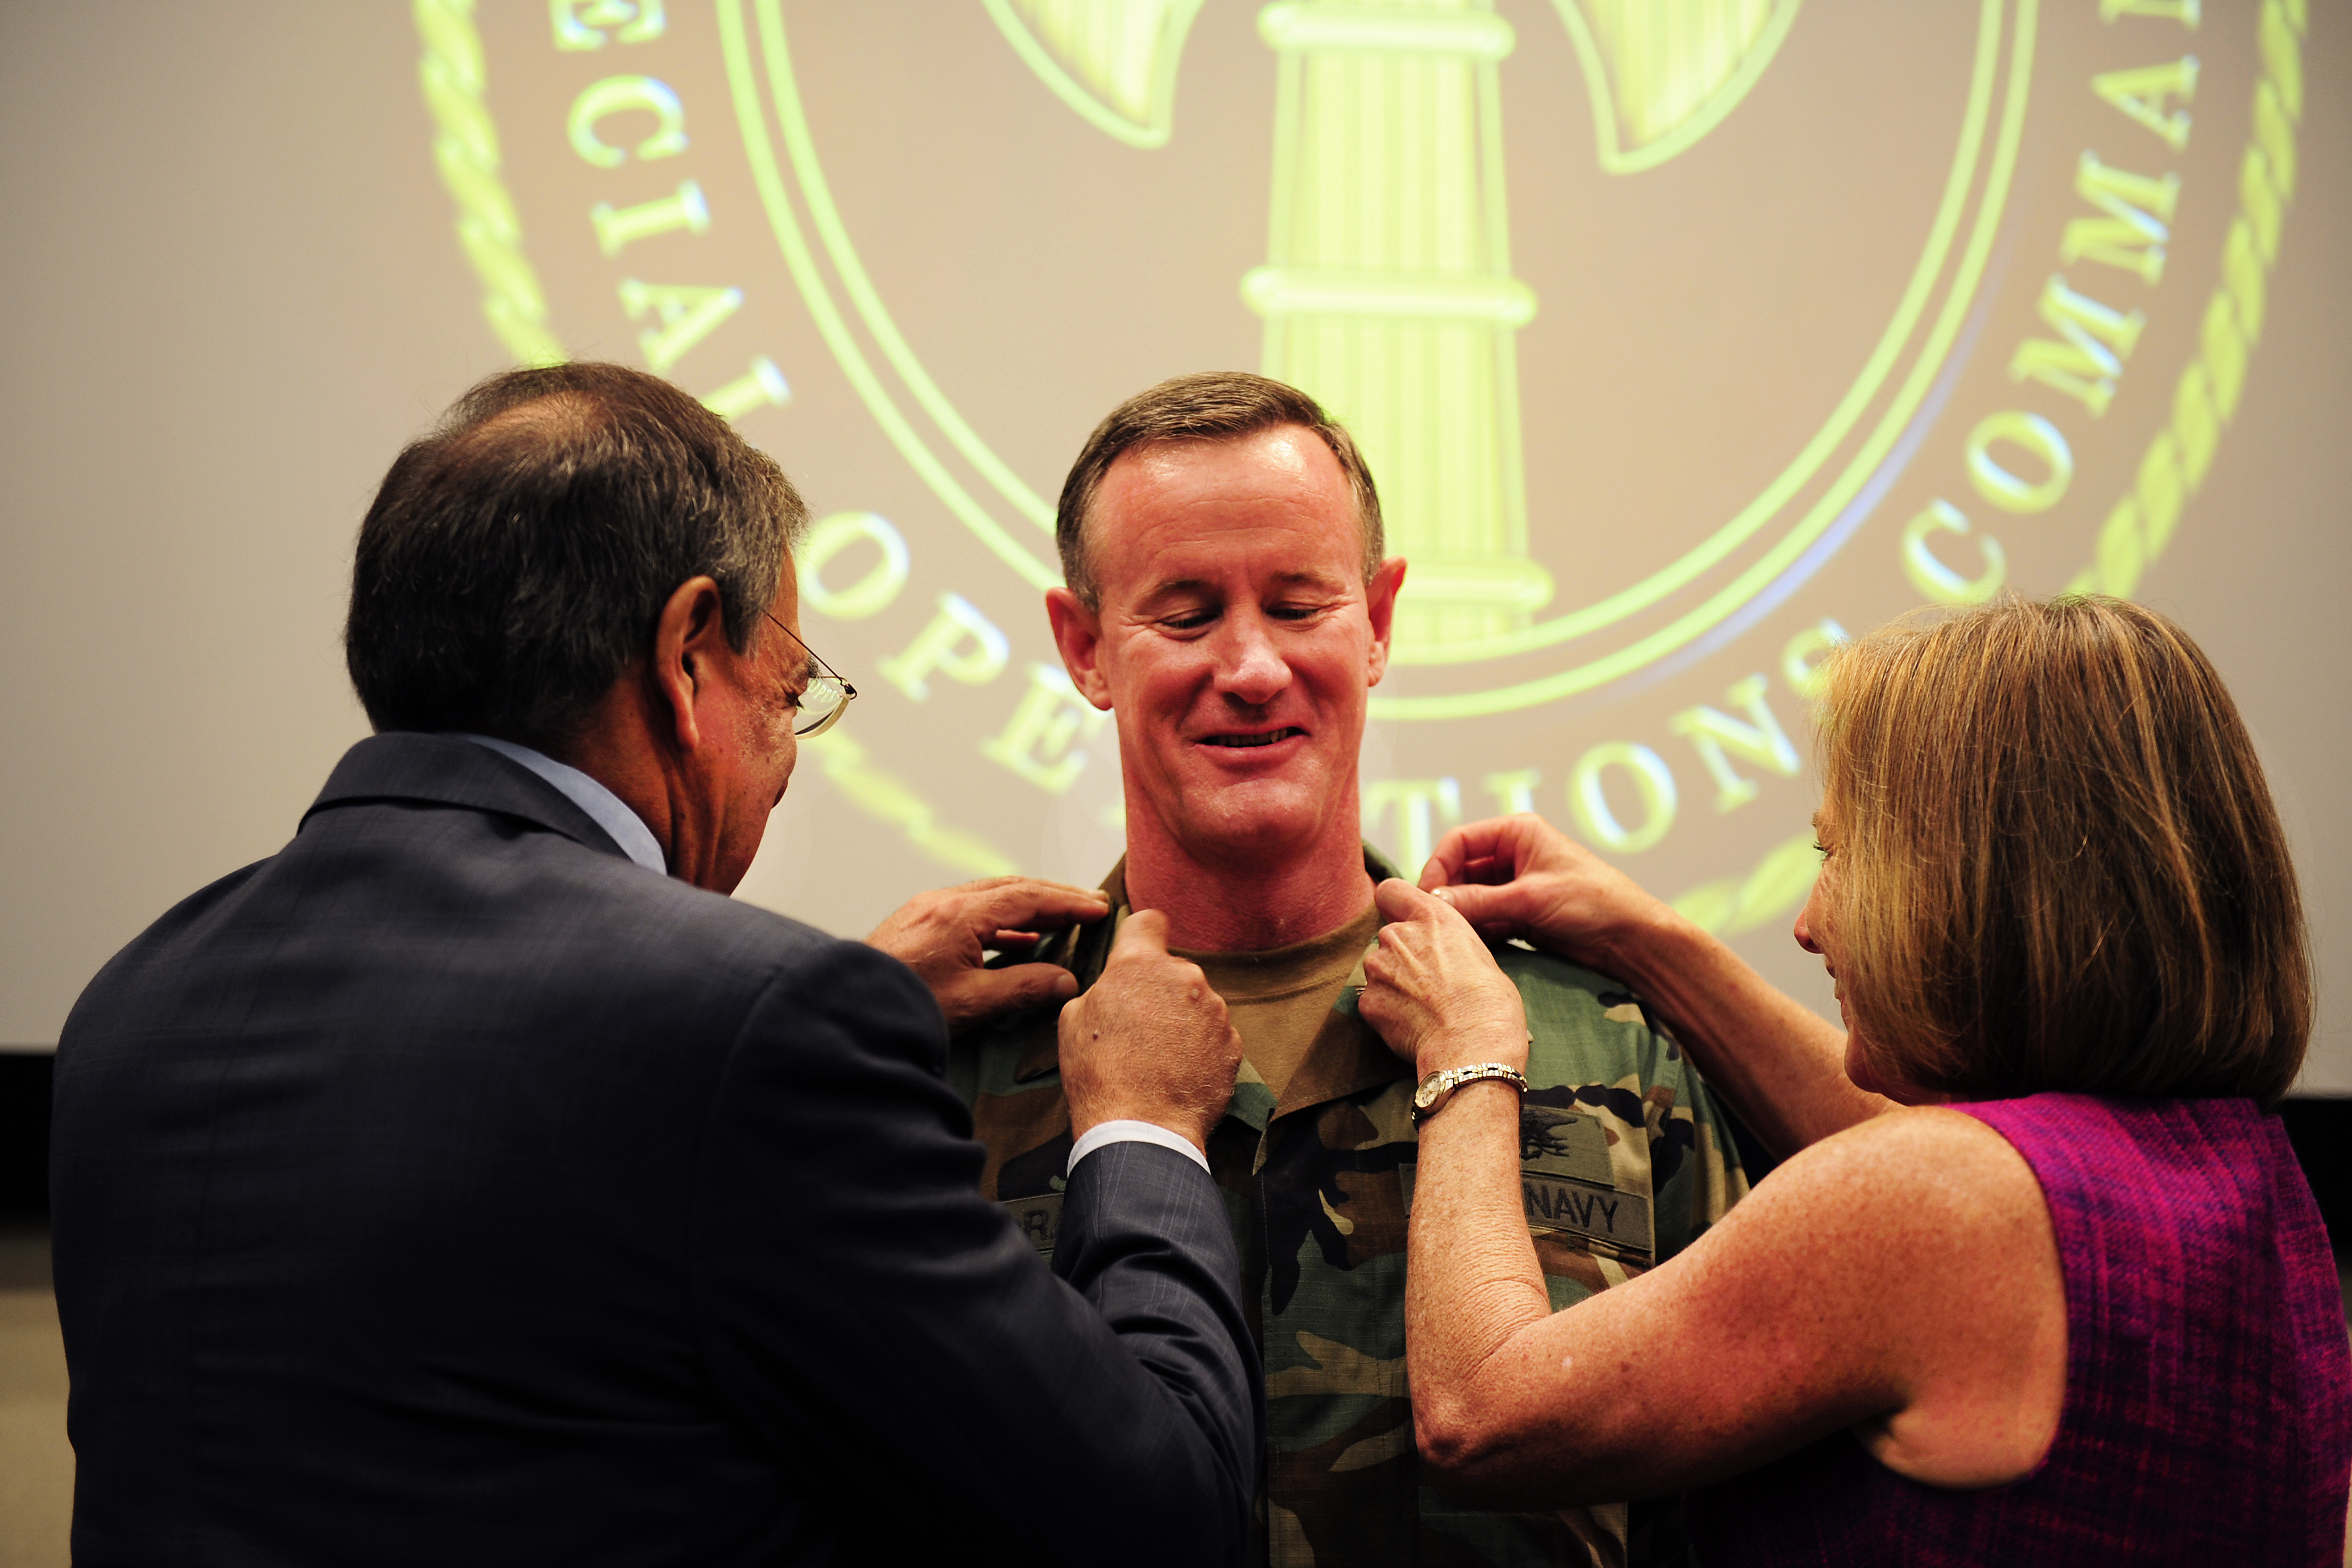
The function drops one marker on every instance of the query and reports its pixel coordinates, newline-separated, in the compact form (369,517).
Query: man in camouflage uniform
(1229,603)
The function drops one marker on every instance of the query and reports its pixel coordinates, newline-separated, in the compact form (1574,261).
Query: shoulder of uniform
(1001,1040)
(1556,981)
(1013,1056)
(1585,1027)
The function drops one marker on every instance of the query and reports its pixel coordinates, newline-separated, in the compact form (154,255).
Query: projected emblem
(1685,335)
(1387,292)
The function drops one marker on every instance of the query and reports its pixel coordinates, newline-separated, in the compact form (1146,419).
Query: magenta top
(2208,1416)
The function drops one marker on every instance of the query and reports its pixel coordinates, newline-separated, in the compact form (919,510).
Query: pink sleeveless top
(2208,1414)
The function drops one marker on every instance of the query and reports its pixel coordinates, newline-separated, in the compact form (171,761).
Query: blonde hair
(2056,863)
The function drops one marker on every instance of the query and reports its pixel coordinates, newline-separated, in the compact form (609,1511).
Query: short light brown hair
(1212,406)
(2056,862)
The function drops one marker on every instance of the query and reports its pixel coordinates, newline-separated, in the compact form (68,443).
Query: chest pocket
(1570,1184)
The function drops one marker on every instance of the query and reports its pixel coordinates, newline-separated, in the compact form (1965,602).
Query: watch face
(1432,1087)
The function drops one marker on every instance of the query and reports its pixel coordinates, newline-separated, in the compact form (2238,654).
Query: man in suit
(472,1182)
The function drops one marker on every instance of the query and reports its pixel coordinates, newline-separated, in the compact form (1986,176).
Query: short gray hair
(516,560)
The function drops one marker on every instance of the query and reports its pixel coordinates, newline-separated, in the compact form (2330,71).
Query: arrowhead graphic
(1663,73)
(1114,61)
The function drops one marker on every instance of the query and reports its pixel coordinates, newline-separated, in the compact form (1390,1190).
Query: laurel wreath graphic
(2206,397)
(467,149)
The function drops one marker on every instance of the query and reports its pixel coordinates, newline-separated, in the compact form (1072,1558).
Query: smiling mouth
(1242,741)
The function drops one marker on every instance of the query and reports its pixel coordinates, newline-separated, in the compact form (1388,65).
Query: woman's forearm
(1472,1282)
(1779,1065)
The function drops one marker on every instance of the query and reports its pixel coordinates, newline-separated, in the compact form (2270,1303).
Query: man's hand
(1150,1041)
(1434,992)
(942,936)
(1521,876)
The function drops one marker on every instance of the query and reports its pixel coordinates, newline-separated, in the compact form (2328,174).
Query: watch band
(1438,1087)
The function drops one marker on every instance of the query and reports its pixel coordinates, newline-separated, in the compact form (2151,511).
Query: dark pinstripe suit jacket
(448,1189)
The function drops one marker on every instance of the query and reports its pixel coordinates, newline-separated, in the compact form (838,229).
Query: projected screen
(1684,338)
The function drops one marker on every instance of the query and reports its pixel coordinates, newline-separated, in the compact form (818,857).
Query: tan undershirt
(1278,999)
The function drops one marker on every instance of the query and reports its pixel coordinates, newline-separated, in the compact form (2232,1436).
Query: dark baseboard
(24,1136)
(2320,1126)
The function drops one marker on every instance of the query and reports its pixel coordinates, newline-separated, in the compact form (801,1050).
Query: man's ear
(1077,633)
(1379,604)
(689,637)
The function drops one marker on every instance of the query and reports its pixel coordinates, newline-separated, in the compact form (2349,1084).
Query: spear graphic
(1387,292)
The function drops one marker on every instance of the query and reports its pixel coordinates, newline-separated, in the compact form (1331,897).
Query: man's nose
(1251,669)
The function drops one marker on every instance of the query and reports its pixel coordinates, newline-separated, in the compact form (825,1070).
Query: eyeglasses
(825,698)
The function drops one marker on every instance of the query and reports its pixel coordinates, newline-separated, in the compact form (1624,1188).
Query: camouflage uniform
(1624,1162)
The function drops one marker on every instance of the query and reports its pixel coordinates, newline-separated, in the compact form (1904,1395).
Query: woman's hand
(1521,876)
(1433,990)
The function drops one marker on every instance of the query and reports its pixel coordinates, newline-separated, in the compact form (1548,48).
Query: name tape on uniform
(1038,1218)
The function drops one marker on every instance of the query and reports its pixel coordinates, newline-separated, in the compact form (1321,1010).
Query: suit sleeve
(887,1329)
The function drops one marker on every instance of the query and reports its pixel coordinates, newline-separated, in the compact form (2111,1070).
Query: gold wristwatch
(1438,1087)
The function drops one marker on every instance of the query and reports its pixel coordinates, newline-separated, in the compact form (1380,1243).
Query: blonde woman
(2041,1280)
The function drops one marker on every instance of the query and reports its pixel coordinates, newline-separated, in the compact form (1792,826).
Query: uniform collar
(1347,1056)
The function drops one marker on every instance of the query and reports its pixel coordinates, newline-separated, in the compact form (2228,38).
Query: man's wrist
(1128,1130)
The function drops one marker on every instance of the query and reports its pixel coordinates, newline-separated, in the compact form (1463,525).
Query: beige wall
(229,301)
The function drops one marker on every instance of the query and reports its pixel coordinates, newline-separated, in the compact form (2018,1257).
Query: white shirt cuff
(1103,1133)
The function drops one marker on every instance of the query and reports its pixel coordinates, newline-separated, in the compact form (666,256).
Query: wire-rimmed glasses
(825,698)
